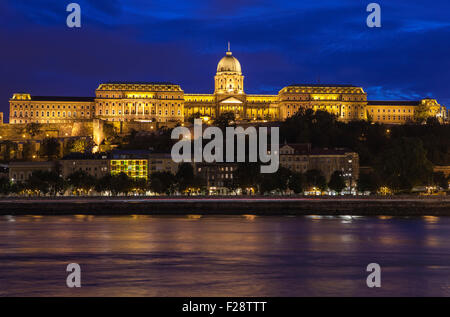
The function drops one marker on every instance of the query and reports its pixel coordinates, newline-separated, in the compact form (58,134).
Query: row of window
(53,114)
(139,96)
(100,105)
(259,102)
(52,107)
(393,110)
(396,118)
(89,170)
(350,114)
(309,98)
(113,112)
(230,86)
(349,107)
(325,91)
(230,80)
(200,100)
(221,176)
(39,121)
(127,162)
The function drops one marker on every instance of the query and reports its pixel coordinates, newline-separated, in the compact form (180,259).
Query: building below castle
(217,177)
(167,102)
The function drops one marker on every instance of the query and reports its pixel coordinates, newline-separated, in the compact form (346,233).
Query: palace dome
(229,64)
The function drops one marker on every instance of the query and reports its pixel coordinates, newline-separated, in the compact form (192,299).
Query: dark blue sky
(277,42)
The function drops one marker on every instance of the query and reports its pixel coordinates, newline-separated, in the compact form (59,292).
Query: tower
(229,79)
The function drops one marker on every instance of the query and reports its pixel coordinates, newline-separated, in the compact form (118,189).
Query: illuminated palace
(166,102)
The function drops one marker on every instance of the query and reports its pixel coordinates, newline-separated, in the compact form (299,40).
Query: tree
(33,129)
(225,119)
(50,148)
(109,131)
(81,182)
(193,116)
(121,183)
(247,175)
(308,126)
(297,182)
(104,184)
(36,183)
(9,150)
(433,121)
(81,146)
(315,178)
(159,141)
(140,185)
(45,182)
(156,183)
(439,179)
(404,164)
(422,113)
(16,188)
(229,183)
(368,182)
(27,151)
(275,182)
(57,183)
(5,186)
(337,182)
(185,177)
(162,182)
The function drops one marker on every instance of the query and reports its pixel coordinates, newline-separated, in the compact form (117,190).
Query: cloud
(388,93)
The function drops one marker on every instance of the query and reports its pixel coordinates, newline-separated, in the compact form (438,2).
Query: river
(224,255)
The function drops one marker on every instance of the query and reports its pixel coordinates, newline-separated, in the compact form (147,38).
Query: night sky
(277,42)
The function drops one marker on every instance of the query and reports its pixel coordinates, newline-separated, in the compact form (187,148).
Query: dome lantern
(229,63)
(229,79)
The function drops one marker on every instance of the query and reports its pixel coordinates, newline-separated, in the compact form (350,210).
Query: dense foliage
(368,139)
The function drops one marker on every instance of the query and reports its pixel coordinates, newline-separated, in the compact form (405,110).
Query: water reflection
(244,255)
(249,217)
(431,219)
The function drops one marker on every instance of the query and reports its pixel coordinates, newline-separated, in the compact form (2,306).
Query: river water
(224,255)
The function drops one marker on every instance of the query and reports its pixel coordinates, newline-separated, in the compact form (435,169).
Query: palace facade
(167,102)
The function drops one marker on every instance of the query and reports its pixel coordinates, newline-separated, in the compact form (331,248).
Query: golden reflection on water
(315,217)
(432,241)
(431,219)
(244,255)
